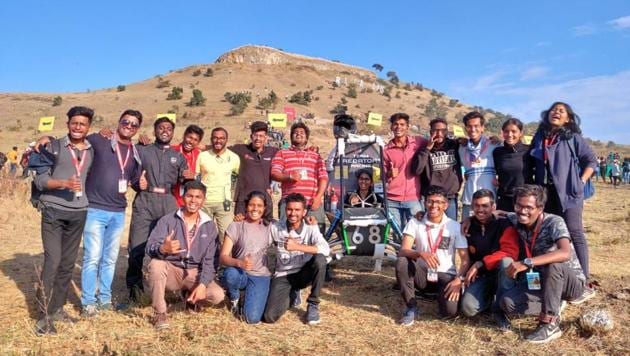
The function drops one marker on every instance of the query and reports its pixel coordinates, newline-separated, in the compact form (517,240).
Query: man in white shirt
(427,258)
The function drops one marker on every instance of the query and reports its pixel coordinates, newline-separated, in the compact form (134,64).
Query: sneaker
(312,314)
(106,307)
(63,316)
(89,311)
(45,327)
(503,323)
(160,321)
(589,292)
(295,296)
(409,316)
(544,332)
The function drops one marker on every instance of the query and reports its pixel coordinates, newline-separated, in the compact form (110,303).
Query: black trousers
(147,209)
(412,274)
(61,237)
(311,274)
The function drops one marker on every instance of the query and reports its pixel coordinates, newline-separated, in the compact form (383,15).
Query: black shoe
(503,323)
(312,314)
(45,327)
(544,332)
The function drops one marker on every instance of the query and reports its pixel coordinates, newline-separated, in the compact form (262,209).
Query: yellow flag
(277,119)
(527,139)
(46,123)
(170,116)
(375,119)
(458,131)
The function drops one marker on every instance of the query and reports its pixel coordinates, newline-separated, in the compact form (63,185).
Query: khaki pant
(164,276)
(221,217)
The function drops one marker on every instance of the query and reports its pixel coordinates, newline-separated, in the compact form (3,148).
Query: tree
(121,88)
(378,67)
(239,101)
(352,91)
(197,98)
(57,101)
(393,77)
(268,102)
(301,98)
(175,94)
(196,73)
(209,72)
(339,109)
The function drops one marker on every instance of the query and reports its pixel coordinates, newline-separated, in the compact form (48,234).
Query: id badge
(533,281)
(122,186)
(432,275)
(303,174)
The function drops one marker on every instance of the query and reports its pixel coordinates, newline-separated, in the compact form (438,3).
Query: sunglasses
(133,124)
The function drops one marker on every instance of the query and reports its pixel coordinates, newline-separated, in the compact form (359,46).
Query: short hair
(513,121)
(398,116)
(437,190)
(437,120)
(531,190)
(474,115)
(81,111)
(194,184)
(361,171)
(301,125)
(135,113)
(161,120)
(194,129)
(295,198)
(219,129)
(258,126)
(483,193)
(15,148)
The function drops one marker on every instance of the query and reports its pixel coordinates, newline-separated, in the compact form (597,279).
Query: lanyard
(471,156)
(190,237)
(432,247)
(120,161)
(78,163)
(529,249)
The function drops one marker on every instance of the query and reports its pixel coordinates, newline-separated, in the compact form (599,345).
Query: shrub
(121,88)
(301,98)
(175,94)
(319,87)
(196,73)
(387,92)
(339,109)
(352,91)
(163,83)
(268,102)
(239,101)
(197,98)
(57,101)
(452,103)
(209,72)
(393,77)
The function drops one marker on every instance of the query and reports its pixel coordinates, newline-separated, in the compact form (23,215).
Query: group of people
(187,220)
(613,168)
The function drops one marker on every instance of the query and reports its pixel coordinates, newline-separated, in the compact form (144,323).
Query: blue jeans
(451,211)
(403,211)
(101,240)
(256,291)
(480,295)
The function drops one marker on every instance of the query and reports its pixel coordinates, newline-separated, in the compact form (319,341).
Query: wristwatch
(528,262)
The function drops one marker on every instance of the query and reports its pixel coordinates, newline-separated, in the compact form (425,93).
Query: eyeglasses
(436,202)
(522,208)
(132,124)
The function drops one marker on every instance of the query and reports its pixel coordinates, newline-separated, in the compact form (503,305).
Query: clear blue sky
(515,57)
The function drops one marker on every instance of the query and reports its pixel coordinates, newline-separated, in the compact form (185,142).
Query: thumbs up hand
(144,184)
(170,246)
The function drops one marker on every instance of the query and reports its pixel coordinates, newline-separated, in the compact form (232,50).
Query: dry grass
(359,310)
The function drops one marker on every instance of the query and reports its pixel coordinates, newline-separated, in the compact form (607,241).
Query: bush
(196,73)
(339,109)
(452,103)
(268,102)
(387,92)
(175,94)
(197,98)
(163,83)
(57,101)
(121,88)
(352,91)
(209,72)
(239,101)
(301,98)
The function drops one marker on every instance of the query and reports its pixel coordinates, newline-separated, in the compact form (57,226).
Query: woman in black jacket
(510,163)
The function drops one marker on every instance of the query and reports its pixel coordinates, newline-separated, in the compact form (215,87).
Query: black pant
(147,209)
(559,282)
(312,273)
(412,274)
(61,236)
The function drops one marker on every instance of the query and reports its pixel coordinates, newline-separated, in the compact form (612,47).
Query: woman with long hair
(562,162)
(510,163)
(244,255)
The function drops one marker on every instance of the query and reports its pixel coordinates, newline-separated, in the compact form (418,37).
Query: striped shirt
(308,164)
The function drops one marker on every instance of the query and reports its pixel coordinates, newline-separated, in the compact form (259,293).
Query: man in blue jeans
(489,241)
(116,165)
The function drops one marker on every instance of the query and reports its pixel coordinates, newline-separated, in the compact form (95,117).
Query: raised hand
(170,246)
(144,184)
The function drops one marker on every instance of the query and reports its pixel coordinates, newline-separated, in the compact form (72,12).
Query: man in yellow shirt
(216,167)
(12,156)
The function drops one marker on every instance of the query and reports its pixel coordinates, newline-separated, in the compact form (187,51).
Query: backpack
(589,188)
(42,162)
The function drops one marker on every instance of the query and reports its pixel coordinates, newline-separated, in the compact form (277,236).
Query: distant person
(547,271)
(216,167)
(364,196)
(25,158)
(602,168)
(427,258)
(12,156)
(403,183)
(556,146)
(626,172)
(510,160)
(301,253)
(255,168)
(189,148)
(439,164)
(616,173)
(477,160)
(63,206)
(244,255)
(162,168)
(182,248)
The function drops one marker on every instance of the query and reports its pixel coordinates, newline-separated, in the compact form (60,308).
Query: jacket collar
(203,217)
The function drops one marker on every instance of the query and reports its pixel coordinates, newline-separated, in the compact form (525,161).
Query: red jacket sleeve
(508,247)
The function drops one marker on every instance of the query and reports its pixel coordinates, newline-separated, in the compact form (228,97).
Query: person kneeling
(182,248)
(300,261)
(432,262)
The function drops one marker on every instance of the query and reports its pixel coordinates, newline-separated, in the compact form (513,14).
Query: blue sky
(515,57)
